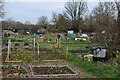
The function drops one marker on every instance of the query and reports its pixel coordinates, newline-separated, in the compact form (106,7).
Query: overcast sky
(30,11)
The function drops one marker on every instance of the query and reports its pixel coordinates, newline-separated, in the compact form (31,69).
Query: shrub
(118,59)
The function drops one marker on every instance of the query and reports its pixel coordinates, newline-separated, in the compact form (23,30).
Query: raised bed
(52,71)
(13,71)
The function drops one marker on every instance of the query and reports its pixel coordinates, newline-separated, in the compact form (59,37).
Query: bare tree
(104,21)
(43,22)
(88,24)
(54,18)
(118,10)
(1,8)
(54,21)
(74,12)
(117,3)
(62,23)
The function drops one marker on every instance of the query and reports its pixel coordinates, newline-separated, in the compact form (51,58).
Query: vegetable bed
(52,70)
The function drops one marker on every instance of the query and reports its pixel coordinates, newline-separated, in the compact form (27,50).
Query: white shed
(70,32)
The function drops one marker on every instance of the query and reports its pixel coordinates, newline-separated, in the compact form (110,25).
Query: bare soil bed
(52,70)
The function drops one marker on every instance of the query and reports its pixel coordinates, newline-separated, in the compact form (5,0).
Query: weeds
(101,71)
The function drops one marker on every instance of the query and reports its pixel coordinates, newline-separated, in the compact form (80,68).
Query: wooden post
(8,53)
(66,52)
(34,42)
(38,51)
(58,40)
(34,39)
(59,43)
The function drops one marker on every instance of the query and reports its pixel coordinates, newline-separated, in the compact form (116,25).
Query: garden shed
(70,31)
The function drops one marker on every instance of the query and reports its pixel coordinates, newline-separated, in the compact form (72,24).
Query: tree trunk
(118,25)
